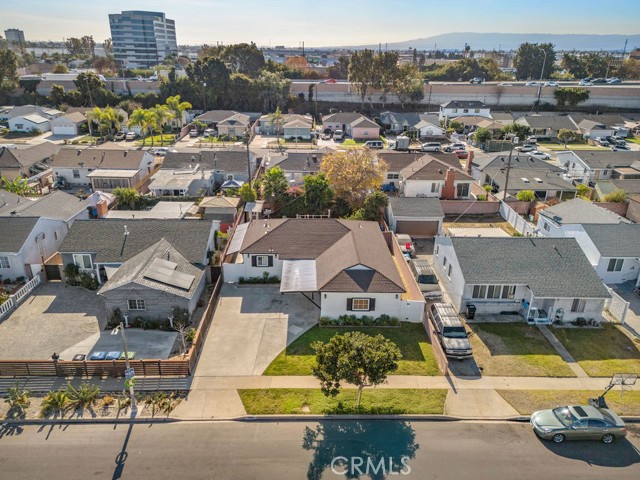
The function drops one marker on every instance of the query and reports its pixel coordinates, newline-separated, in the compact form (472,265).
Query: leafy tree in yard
(274,187)
(245,58)
(18,185)
(247,193)
(8,70)
(618,196)
(409,84)
(570,96)
(526,196)
(211,76)
(385,73)
(353,174)
(517,130)
(60,68)
(361,71)
(565,136)
(584,192)
(126,196)
(529,59)
(88,84)
(374,204)
(273,89)
(482,135)
(457,126)
(57,95)
(317,194)
(355,358)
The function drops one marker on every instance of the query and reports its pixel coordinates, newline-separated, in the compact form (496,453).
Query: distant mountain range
(511,41)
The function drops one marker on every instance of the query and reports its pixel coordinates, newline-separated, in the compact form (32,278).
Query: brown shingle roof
(94,158)
(429,168)
(16,158)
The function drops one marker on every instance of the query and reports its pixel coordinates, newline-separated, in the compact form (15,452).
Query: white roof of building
(162,210)
(298,276)
(177,178)
(115,173)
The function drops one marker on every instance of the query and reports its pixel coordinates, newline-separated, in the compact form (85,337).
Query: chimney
(102,208)
(449,188)
(470,161)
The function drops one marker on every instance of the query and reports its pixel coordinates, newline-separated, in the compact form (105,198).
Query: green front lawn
(601,352)
(515,350)
(417,355)
(164,140)
(528,401)
(312,401)
(633,140)
(570,146)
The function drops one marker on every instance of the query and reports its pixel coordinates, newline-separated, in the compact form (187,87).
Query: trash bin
(471,311)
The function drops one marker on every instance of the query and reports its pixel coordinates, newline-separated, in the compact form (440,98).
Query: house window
(477,110)
(82,261)
(605,172)
(615,265)
(435,187)
(479,291)
(462,190)
(360,304)
(578,305)
(229,178)
(444,262)
(76,174)
(262,261)
(393,176)
(493,291)
(509,291)
(437,250)
(449,272)
(546,226)
(4,262)
(137,304)
(466,110)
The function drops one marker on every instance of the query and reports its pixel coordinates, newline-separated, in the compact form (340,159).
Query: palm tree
(276,120)
(140,118)
(126,196)
(18,185)
(94,115)
(178,107)
(162,115)
(111,119)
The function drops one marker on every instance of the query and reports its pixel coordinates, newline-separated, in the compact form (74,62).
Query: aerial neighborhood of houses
(216,235)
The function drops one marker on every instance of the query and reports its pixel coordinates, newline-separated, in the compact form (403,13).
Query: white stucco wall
(233,271)
(630,269)
(422,188)
(334,304)
(454,285)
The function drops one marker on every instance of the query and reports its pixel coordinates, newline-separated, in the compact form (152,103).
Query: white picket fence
(17,297)
(517,221)
(616,306)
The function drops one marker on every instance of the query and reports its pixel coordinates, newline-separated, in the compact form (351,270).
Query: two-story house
(26,162)
(431,177)
(295,163)
(458,108)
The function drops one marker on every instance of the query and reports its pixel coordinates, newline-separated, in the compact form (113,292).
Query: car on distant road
(617,148)
(525,148)
(119,136)
(613,80)
(454,146)
(477,80)
(160,151)
(9,146)
(598,80)
(540,155)
(131,136)
(578,422)
(552,84)
(585,83)
(533,84)
(431,147)
(505,85)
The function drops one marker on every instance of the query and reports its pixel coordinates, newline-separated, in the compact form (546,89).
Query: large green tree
(245,58)
(409,85)
(355,358)
(530,58)
(317,194)
(8,70)
(570,96)
(385,73)
(361,72)
(88,85)
(273,89)
(274,186)
(517,130)
(211,77)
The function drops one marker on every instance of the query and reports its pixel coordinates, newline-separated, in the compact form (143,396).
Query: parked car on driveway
(578,422)
(131,136)
(120,136)
(540,155)
(450,330)
(525,148)
(193,133)
(431,147)
(454,146)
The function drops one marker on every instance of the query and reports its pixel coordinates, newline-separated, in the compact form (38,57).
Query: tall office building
(14,36)
(142,39)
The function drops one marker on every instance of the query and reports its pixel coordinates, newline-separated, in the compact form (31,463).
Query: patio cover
(298,276)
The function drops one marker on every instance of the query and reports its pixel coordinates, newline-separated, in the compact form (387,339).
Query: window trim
(137,302)
(467,187)
(617,265)
(83,256)
(4,260)
(578,305)
(260,259)
(355,309)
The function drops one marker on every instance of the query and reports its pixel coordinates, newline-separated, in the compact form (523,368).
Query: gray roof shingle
(603,159)
(224,160)
(621,240)
(416,207)
(14,231)
(57,205)
(106,238)
(550,267)
(579,211)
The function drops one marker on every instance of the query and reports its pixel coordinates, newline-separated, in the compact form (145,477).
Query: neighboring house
(68,124)
(27,118)
(227,164)
(589,166)
(236,125)
(103,169)
(632,172)
(593,126)
(220,209)
(297,129)
(152,283)
(295,163)
(34,232)
(57,205)
(527,173)
(547,125)
(353,124)
(100,247)
(605,187)
(613,250)
(344,266)
(418,125)
(564,217)
(267,126)
(161,211)
(458,108)
(415,216)
(395,162)
(431,177)
(192,182)
(27,162)
(544,279)
(213,117)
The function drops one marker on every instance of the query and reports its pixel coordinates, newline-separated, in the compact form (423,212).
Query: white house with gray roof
(415,216)
(612,250)
(559,219)
(590,166)
(542,279)
(458,108)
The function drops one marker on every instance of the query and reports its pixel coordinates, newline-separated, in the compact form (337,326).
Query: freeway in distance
(299,450)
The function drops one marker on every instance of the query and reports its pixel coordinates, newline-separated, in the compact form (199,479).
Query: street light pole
(120,328)
(514,141)
(544,61)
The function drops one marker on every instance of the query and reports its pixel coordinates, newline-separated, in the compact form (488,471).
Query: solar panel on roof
(164,263)
(164,271)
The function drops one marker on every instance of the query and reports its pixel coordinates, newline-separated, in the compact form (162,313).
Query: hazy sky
(323,22)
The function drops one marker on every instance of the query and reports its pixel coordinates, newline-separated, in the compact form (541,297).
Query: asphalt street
(299,450)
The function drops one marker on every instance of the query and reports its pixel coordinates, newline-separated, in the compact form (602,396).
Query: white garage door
(64,130)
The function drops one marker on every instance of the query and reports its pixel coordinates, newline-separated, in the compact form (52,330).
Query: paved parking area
(53,318)
(251,326)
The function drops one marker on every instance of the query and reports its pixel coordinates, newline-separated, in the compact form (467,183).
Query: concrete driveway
(251,326)
(632,320)
(53,318)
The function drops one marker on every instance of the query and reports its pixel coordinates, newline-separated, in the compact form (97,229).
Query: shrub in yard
(17,398)
(71,271)
(83,396)
(190,335)
(526,196)
(107,401)
(115,319)
(55,402)
(383,320)
(618,196)
(481,198)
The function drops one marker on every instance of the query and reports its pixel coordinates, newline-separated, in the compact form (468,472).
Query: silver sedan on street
(578,422)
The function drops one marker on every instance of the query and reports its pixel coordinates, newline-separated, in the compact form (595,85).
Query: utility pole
(624,50)
(514,141)
(541,75)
